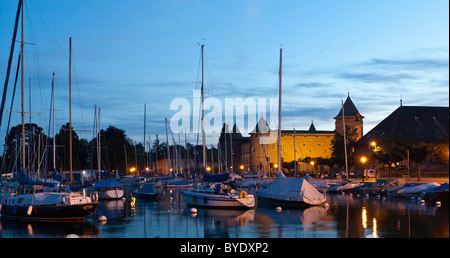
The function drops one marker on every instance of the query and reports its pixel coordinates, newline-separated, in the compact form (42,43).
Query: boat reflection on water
(41,229)
(219,223)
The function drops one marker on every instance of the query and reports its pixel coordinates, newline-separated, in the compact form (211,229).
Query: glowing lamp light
(363,159)
(208,169)
(242,167)
(133,169)
(275,165)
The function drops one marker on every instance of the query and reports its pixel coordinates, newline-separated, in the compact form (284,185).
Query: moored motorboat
(146,191)
(108,189)
(217,195)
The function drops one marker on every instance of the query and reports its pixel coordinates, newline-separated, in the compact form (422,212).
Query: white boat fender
(30,209)
(243,194)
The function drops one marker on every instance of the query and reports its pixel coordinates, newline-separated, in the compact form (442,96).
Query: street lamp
(363,161)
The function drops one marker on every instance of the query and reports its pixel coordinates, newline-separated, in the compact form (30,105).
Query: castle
(295,144)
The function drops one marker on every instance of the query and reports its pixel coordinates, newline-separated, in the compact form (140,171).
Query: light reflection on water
(346,217)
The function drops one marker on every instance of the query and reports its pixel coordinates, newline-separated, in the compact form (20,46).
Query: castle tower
(353,118)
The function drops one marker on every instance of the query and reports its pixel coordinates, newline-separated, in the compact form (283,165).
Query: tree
(419,152)
(338,148)
(112,142)
(13,144)
(80,150)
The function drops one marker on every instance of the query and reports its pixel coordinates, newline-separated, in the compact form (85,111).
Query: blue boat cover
(26,180)
(147,188)
(57,177)
(207,177)
(107,183)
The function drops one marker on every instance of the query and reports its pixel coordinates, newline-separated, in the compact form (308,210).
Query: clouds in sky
(146,52)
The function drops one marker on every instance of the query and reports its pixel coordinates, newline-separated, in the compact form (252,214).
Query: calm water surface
(346,217)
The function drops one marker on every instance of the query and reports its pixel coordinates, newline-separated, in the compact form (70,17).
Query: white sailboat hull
(219,201)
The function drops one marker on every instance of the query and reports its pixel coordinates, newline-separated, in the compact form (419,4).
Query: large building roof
(429,124)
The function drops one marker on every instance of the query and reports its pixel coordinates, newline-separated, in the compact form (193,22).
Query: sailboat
(288,192)
(27,199)
(215,194)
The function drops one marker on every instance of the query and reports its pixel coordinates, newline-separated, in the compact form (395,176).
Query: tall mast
(70,108)
(345,140)
(146,159)
(168,150)
(23,98)
(203,111)
(54,140)
(279,116)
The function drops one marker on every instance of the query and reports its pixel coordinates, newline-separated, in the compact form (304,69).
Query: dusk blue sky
(130,53)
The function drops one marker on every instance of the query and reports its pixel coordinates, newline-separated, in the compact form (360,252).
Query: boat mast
(168,151)
(70,108)
(203,111)
(23,98)
(279,116)
(345,140)
(54,140)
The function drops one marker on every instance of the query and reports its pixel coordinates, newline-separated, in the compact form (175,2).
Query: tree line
(117,150)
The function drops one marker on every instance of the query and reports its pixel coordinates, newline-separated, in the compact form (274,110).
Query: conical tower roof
(349,108)
(261,127)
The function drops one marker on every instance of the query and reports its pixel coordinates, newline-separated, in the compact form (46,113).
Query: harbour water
(345,217)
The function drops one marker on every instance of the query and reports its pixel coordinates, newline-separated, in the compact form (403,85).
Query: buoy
(243,194)
(72,236)
(278,208)
(193,210)
(422,201)
(357,195)
(413,198)
(438,203)
(367,195)
(123,198)
(326,205)
(30,209)
(102,218)
(419,199)
(378,196)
